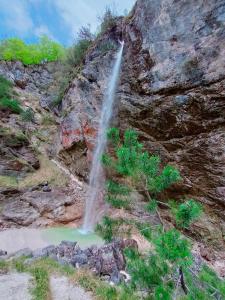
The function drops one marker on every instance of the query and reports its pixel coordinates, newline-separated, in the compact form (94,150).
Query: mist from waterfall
(96,181)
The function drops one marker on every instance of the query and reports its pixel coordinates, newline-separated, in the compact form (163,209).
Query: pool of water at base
(12,240)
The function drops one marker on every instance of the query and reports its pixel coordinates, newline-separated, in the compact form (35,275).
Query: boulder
(47,202)
(20,212)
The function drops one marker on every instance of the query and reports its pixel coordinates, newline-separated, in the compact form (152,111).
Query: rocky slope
(34,191)
(171,91)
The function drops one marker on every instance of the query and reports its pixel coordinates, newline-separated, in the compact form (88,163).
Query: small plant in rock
(5,88)
(27,115)
(107,46)
(186,212)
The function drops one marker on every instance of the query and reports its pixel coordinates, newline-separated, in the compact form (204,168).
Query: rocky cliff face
(171,92)
(39,80)
(33,190)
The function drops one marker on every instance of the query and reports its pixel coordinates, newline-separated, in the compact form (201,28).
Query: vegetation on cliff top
(46,50)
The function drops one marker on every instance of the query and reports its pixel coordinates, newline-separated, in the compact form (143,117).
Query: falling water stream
(96,180)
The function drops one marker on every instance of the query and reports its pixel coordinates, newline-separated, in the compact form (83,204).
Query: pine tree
(165,273)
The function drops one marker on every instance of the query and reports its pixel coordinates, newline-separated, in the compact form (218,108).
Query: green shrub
(41,290)
(185,213)
(5,87)
(75,55)
(27,115)
(47,119)
(107,46)
(143,171)
(46,50)
(108,20)
(166,272)
(12,105)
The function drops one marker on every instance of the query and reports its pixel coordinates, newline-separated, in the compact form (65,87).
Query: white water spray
(96,180)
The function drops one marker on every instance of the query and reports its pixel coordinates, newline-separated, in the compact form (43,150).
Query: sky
(59,19)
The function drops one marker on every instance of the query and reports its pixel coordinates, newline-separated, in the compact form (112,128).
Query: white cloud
(76,14)
(43,30)
(16,15)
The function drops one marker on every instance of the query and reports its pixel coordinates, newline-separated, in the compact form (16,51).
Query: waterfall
(96,181)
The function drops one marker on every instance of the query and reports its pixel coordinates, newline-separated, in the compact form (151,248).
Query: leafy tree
(46,50)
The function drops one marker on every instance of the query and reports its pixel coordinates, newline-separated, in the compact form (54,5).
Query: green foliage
(116,194)
(16,140)
(41,290)
(108,20)
(166,272)
(152,206)
(186,213)
(6,94)
(46,50)
(3,266)
(171,246)
(107,228)
(5,87)
(27,115)
(74,58)
(205,285)
(19,266)
(144,170)
(75,55)
(147,272)
(47,119)
(107,46)
(12,105)
(108,293)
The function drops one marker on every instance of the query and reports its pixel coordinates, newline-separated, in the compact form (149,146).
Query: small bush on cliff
(186,212)
(75,55)
(6,94)
(143,171)
(108,20)
(5,88)
(46,50)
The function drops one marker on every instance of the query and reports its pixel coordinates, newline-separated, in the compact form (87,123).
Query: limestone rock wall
(171,91)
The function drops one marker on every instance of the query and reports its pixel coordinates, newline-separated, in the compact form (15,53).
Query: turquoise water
(57,234)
